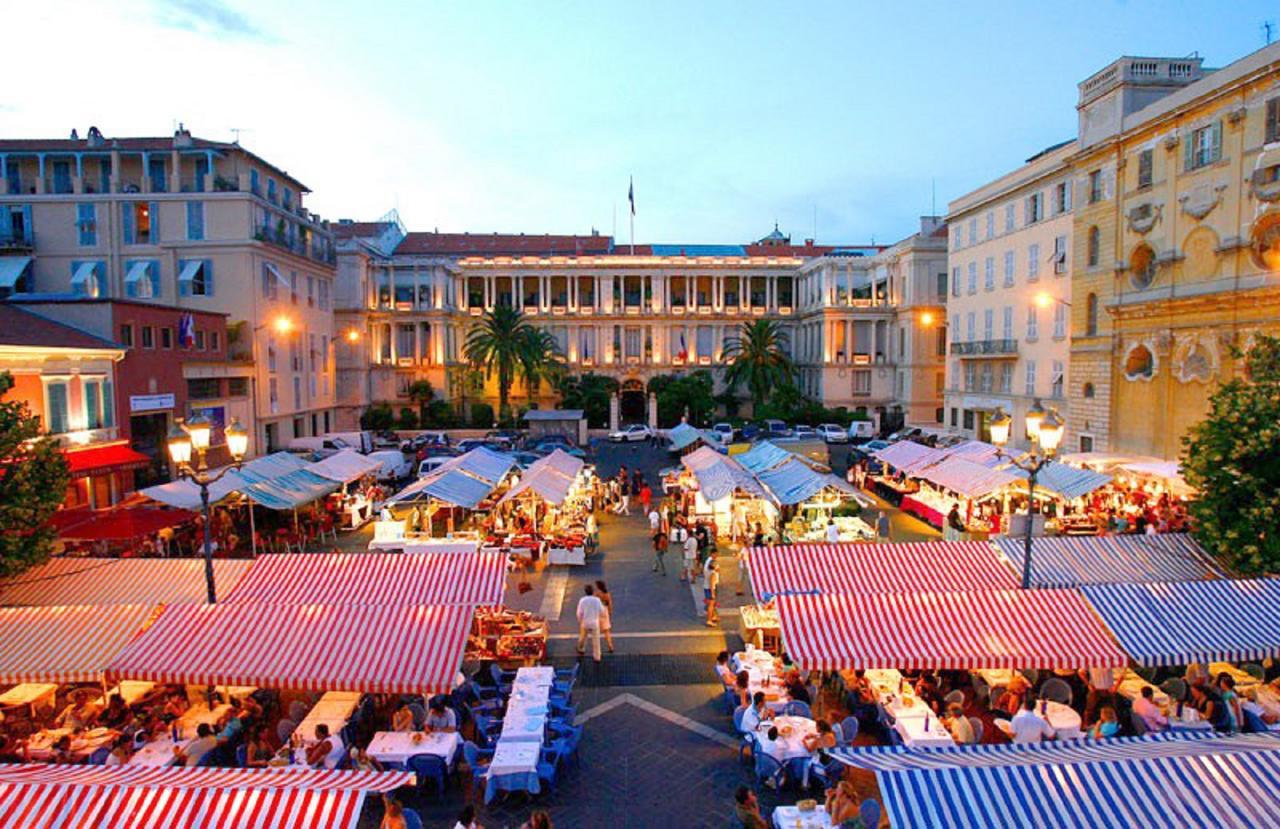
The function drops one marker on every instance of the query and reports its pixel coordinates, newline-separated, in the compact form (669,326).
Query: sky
(848,119)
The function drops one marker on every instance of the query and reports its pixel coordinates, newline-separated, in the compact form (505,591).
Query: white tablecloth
(1062,718)
(923,732)
(159,752)
(790,746)
(398,746)
(544,675)
(514,757)
(790,817)
(571,556)
(40,746)
(333,709)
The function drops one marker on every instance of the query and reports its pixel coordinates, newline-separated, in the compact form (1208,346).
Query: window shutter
(1066,194)
(108,405)
(126,222)
(1215,151)
(184,285)
(1188,150)
(155,222)
(1273,119)
(208,277)
(153,272)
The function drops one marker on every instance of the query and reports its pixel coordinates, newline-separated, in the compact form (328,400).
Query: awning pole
(253,531)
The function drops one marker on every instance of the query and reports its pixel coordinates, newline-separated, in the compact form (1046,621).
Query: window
(1060,254)
(87,224)
(1006,378)
(1273,120)
(1008,268)
(1086,443)
(311,291)
(1062,197)
(968,418)
(1008,218)
(942,287)
(988,323)
(1203,147)
(969,320)
(271,190)
(98,404)
(1091,316)
(1033,262)
(1059,320)
(195,220)
(295,355)
(195,277)
(155,170)
(1146,159)
(941,347)
(1094,246)
(989,274)
(213,340)
(862,383)
(148,337)
(955,281)
(955,239)
(973,231)
(323,289)
(271,352)
(297,392)
(56,402)
(273,394)
(126,335)
(985,379)
(1088,391)
(1095,186)
(271,280)
(1006,323)
(293,287)
(973,277)
(1142,267)
(1030,389)
(955,413)
(142,279)
(1033,322)
(141,225)
(203,388)
(199,340)
(86,278)
(166,337)
(1035,208)
(991,224)
(237,387)
(970,376)
(1056,381)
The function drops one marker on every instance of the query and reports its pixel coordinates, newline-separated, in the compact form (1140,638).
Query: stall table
(916,506)
(29,693)
(761,627)
(399,746)
(789,745)
(333,709)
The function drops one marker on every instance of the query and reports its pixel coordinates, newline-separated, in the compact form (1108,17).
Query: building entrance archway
(631,403)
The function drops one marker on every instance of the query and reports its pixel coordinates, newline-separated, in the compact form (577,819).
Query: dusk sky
(531,116)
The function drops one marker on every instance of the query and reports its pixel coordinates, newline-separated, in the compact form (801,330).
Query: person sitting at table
(257,749)
(467,818)
(195,750)
(79,713)
(723,670)
(441,718)
(821,740)
(1103,683)
(121,751)
(1107,725)
(1027,726)
(1015,694)
(742,687)
(1226,686)
(392,813)
(402,719)
(1145,708)
(326,751)
(231,724)
(926,688)
(538,820)
(176,706)
(60,751)
(1213,710)
(747,809)
(959,726)
(362,761)
(116,714)
(797,691)
(756,714)
(842,803)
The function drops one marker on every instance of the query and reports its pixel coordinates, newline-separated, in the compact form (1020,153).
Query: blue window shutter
(1216,143)
(26,221)
(154,273)
(208,277)
(155,222)
(184,287)
(108,405)
(126,222)
(92,405)
(57,408)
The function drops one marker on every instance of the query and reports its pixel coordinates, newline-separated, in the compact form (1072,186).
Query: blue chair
(411,819)
(1253,723)
(571,734)
(99,756)
(207,760)
(797,709)
(502,679)
(242,755)
(548,763)
(1056,690)
(511,783)
(869,811)
(895,739)
(848,731)
(567,674)
(483,694)
(768,769)
(563,712)
(730,699)
(487,729)
(477,760)
(419,715)
(797,768)
(564,687)
(426,766)
(285,729)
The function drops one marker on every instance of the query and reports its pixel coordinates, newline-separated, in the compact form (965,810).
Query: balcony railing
(22,240)
(989,348)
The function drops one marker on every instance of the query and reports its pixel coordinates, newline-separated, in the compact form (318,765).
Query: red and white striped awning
(67,643)
(374,579)
(878,568)
(388,649)
(134,797)
(75,581)
(951,630)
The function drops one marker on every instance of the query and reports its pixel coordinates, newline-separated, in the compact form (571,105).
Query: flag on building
(631,194)
(186,331)
(684,349)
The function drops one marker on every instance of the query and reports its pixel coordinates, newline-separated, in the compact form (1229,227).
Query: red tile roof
(23,328)
(503,244)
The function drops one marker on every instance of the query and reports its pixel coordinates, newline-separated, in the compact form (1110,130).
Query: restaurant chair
(895,739)
(411,819)
(568,674)
(571,735)
(478,761)
(1138,723)
(485,696)
(869,812)
(848,731)
(956,696)
(99,756)
(501,678)
(419,715)
(548,764)
(1175,688)
(1253,724)
(285,729)
(487,730)
(562,712)
(242,756)
(978,729)
(730,699)
(1056,690)
(1255,670)
(797,709)
(428,766)
(769,770)
(748,739)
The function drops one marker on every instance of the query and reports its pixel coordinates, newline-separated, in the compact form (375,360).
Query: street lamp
(1044,431)
(194,436)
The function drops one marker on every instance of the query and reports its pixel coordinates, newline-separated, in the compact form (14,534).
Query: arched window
(1142,267)
(1095,246)
(1091,316)
(1088,390)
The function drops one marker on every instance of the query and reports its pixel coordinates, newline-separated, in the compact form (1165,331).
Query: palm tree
(540,359)
(758,357)
(505,343)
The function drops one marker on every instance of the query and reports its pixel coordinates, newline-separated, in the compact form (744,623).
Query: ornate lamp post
(194,436)
(1044,431)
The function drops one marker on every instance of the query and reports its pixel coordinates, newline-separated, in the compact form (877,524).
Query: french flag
(186,331)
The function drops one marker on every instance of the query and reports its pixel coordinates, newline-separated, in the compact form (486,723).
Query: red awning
(125,524)
(97,460)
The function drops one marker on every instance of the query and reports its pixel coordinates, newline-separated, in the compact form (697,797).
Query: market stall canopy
(561,461)
(972,480)
(946,630)
(1168,473)
(482,463)
(397,649)
(908,456)
(69,643)
(977,451)
(120,523)
(186,495)
(764,455)
(877,568)
(1178,623)
(108,581)
(288,491)
(683,436)
(452,486)
(1100,460)
(547,483)
(374,578)
(719,476)
(1212,782)
(344,467)
(1066,481)
(1071,561)
(42,794)
(794,481)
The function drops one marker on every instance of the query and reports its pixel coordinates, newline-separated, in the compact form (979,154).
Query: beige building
(1010,300)
(184,222)
(1178,240)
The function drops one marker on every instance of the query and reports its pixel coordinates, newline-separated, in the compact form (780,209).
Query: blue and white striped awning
(764,455)
(1177,623)
(1067,481)
(1212,782)
(1067,561)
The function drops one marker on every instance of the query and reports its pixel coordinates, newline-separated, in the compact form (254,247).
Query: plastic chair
(769,769)
(426,766)
(242,756)
(571,734)
(478,761)
(730,699)
(895,739)
(411,819)
(567,674)
(797,709)
(978,729)
(1175,688)
(501,678)
(848,731)
(548,763)
(285,729)
(956,696)
(869,811)
(297,710)
(1255,670)
(1056,690)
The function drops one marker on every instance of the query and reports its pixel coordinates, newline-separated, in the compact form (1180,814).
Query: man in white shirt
(1028,727)
(1103,683)
(756,714)
(1146,708)
(690,558)
(833,532)
(590,609)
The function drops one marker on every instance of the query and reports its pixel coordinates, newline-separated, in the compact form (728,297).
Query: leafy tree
(33,482)
(758,358)
(1232,458)
(378,417)
(677,392)
(421,393)
(505,343)
(589,392)
(481,416)
(408,419)
(440,415)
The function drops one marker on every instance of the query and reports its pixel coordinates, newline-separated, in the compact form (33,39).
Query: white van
(362,442)
(430,465)
(395,464)
(861,431)
(322,447)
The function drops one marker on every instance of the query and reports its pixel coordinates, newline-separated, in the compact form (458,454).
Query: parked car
(395,464)
(751,431)
(386,439)
(553,439)
(804,433)
(632,433)
(505,437)
(776,429)
(725,432)
(833,433)
(426,467)
(465,446)
(525,459)
(321,447)
(861,431)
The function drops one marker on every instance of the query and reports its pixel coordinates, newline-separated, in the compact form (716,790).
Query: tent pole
(253,531)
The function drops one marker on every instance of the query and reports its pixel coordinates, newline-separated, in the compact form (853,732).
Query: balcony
(986,348)
(17,241)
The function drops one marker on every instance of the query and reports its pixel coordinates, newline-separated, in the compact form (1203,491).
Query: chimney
(808,243)
(95,138)
(75,136)
(182,138)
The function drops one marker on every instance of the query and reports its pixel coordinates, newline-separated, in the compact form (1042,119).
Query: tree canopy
(504,343)
(589,392)
(33,482)
(757,357)
(1232,458)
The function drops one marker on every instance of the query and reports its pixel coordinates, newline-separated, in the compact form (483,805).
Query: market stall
(957,481)
(721,486)
(507,636)
(548,505)
(1112,559)
(444,501)
(116,581)
(685,439)
(808,492)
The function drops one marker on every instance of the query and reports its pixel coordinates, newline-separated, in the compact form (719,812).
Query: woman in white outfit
(606,618)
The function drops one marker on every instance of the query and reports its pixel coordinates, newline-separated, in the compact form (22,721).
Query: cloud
(209,17)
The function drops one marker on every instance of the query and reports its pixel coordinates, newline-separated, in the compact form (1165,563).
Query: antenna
(933,196)
(815,223)
(237,131)
(1267,27)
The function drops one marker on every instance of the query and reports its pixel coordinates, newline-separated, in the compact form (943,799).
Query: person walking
(660,543)
(690,549)
(606,618)
(646,496)
(590,610)
(882,528)
(710,584)
(624,498)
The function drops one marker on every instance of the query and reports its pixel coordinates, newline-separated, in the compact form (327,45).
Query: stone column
(615,409)
(653,411)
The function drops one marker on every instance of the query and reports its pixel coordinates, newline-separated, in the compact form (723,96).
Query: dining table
(29,693)
(791,817)
(333,709)
(791,733)
(160,751)
(83,744)
(398,746)
(513,767)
